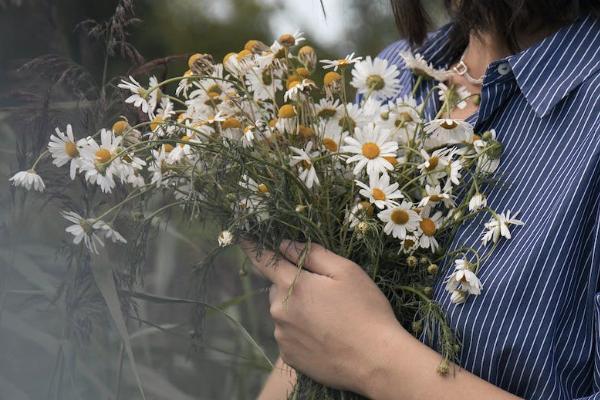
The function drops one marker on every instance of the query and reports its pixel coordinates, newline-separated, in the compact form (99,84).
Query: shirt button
(503,68)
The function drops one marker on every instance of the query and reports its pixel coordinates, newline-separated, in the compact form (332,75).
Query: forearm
(407,369)
(280,382)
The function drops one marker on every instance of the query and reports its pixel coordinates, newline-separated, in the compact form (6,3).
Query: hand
(334,323)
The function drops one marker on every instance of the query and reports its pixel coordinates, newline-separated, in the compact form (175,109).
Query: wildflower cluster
(261,145)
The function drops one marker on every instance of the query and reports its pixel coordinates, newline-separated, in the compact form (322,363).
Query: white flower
(100,161)
(446,131)
(142,97)
(428,227)
(435,195)
(376,78)
(399,220)
(379,191)
(303,158)
(477,202)
(333,137)
(370,146)
(298,90)
(335,64)
(421,67)
(454,174)
(263,84)
(458,297)
(498,226)
(91,231)
(403,119)
(434,167)
(488,161)
(64,149)
(454,95)
(463,280)
(359,212)
(28,179)
(225,238)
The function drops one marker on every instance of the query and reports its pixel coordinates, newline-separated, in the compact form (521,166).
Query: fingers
(278,270)
(318,260)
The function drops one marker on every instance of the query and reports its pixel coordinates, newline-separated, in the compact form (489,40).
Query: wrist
(382,362)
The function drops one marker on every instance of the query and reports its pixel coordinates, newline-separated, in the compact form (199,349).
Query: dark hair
(507,18)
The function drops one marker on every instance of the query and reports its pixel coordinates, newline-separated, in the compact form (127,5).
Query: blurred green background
(58,338)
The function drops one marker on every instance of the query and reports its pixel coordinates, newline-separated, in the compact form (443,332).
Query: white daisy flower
(420,67)
(436,195)
(329,110)
(446,131)
(185,84)
(141,97)
(332,135)
(344,62)
(477,202)
(158,167)
(100,161)
(454,95)
(376,78)
(498,226)
(359,212)
(463,280)
(28,179)
(458,297)
(488,161)
(409,244)
(370,146)
(90,231)
(303,159)
(454,175)
(225,238)
(263,84)
(64,150)
(403,118)
(428,226)
(399,220)
(435,166)
(379,191)
(299,90)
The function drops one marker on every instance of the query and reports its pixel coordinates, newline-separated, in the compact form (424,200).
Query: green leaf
(175,300)
(106,285)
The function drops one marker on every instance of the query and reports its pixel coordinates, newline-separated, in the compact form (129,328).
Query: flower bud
(433,269)
(412,261)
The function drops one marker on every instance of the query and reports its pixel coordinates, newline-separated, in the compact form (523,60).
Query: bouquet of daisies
(270,147)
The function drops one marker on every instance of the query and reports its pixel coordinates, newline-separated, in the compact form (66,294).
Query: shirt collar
(545,72)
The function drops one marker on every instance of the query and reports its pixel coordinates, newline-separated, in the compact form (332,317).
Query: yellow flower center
(251,45)
(378,194)
(399,216)
(231,123)
(403,118)
(214,89)
(331,77)
(168,148)
(287,111)
(370,150)
(375,82)
(306,132)
(228,56)
(243,54)
(119,127)
(156,123)
(408,243)
(449,124)
(287,40)
(262,188)
(103,155)
(193,58)
(71,149)
(434,198)
(327,112)
(306,164)
(303,72)
(330,145)
(428,227)
(391,160)
(433,163)
(347,123)
(292,83)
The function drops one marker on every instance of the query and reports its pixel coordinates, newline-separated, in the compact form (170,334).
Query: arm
(279,384)
(338,328)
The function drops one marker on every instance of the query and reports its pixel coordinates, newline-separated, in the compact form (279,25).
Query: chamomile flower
(376,78)
(143,98)
(333,137)
(91,231)
(299,90)
(263,83)
(361,211)
(446,131)
(436,195)
(329,110)
(256,188)
(455,96)
(428,226)
(379,191)
(29,180)
(399,220)
(435,166)
(340,63)
(225,238)
(499,226)
(477,202)
(303,158)
(420,67)
(64,150)
(370,146)
(100,161)
(454,175)
(464,280)
(402,118)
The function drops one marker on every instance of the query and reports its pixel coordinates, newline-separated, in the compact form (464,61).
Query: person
(534,332)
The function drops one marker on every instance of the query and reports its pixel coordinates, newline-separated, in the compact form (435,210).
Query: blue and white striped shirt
(535,330)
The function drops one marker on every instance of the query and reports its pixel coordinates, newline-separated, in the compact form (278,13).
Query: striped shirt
(535,329)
